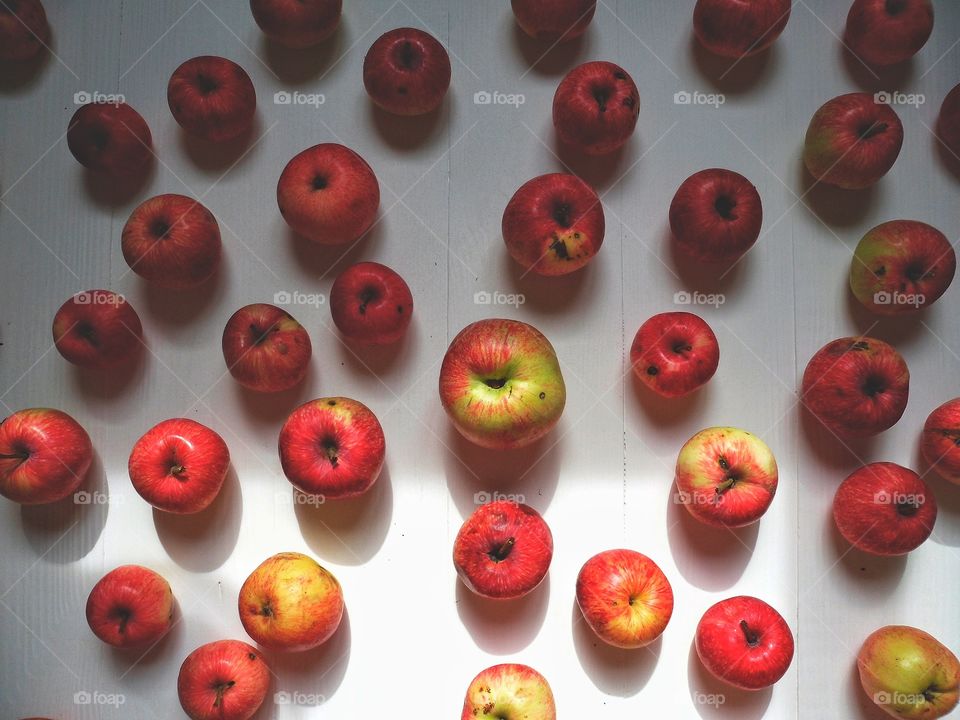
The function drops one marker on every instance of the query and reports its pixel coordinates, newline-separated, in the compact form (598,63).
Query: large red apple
(97,329)
(948,122)
(407,72)
(223,680)
(44,456)
(131,606)
(674,353)
(297,23)
(23,29)
(328,194)
(856,386)
(554,21)
(265,348)
(940,441)
(509,692)
(212,97)
(595,108)
(112,139)
(553,225)
(370,303)
(735,29)
(887,32)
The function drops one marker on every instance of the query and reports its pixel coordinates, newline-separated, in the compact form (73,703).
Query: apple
(554,21)
(223,680)
(948,122)
(852,141)
(265,348)
(407,72)
(553,225)
(510,691)
(24,31)
(503,550)
(97,329)
(625,598)
(328,194)
(290,603)
(130,607)
(172,241)
(736,29)
(212,97)
(371,304)
(856,386)
(112,139)
(179,465)
(908,673)
(887,32)
(595,108)
(940,441)
(884,509)
(44,456)
(674,353)
(500,384)
(744,642)
(297,24)
(715,215)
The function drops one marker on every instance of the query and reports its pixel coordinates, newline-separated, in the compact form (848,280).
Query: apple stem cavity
(221,689)
(908,509)
(873,386)
(750,634)
(495,383)
(502,552)
(561,213)
(601,95)
(724,207)
(332,452)
(177,470)
(872,130)
(895,7)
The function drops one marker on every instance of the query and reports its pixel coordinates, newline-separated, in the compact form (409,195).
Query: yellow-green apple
(948,121)
(510,691)
(908,673)
(328,194)
(624,597)
(290,603)
(674,353)
(179,465)
(265,348)
(333,447)
(940,441)
(407,72)
(744,642)
(554,21)
(223,680)
(23,29)
(131,606)
(726,477)
(735,29)
(852,141)
(503,550)
(110,138)
(856,386)
(553,224)
(595,108)
(97,329)
(500,383)
(212,98)
(371,304)
(297,24)
(44,456)
(887,32)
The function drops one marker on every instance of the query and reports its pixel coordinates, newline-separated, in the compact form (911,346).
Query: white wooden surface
(413,638)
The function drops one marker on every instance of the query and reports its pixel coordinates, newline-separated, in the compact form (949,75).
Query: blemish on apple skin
(543,395)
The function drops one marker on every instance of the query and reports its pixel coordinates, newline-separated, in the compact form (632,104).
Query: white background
(413,637)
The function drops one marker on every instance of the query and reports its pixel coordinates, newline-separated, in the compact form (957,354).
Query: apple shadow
(668,412)
(317,672)
(839,455)
(21,77)
(946,530)
(163,652)
(111,193)
(877,576)
(731,76)
(409,133)
(895,330)
(320,260)
(217,157)
(301,66)
(270,410)
(548,58)
(503,627)
(598,171)
(833,205)
(714,699)
(866,708)
(109,383)
(547,295)
(173,308)
(874,79)
(711,278)
(378,360)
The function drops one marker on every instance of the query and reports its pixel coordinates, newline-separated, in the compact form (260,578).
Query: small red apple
(948,122)
(23,29)
(510,691)
(940,441)
(595,108)
(675,353)
(554,21)
(223,680)
(97,329)
(131,606)
(887,32)
(370,303)
(407,72)
(735,29)
(112,139)
(297,24)
(212,97)
(265,348)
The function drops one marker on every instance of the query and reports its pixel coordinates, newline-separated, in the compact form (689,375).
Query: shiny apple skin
(297,24)
(882,38)
(97,329)
(371,304)
(212,98)
(24,32)
(734,29)
(948,122)
(130,607)
(223,680)
(407,72)
(509,690)
(265,349)
(940,440)
(674,353)
(111,139)
(595,108)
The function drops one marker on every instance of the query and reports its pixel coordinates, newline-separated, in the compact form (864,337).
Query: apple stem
(177,469)
(332,455)
(503,551)
(15,456)
(222,690)
(749,634)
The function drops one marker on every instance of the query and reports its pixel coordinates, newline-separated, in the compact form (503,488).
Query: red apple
(212,97)
(97,329)
(328,194)
(297,23)
(223,680)
(887,32)
(265,348)
(554,21)
(407,72)
(509,692)
(370,303)
(553,225)
(332,447)
(112,139)
(948,122)
(736,29)
(856,386)
(179,465)
(172,241)
(940,441)
(852,141)
(744,642)
(674,353)
(131,606)
(596,107)
(44,456)
(23,29)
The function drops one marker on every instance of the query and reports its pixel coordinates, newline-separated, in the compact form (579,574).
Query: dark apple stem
(15,456)
(177,469)
(503,551)
(332,455)
(749,634)
(221,691)
(726,485)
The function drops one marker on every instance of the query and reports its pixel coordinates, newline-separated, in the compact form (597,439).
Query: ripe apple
(332,446)
(735,29)
(625,598)
(290,603)
(674,353)
(44,456)
(328,194)
(297,24)
(131,606)
(97,329)
(940,441)
(887,32)
(884,509)
(596,107)
(908,673)
(371,304)
(901,266)
(554,21)
(172,241)
(503,550)
(23,29)
(407,72)
(112,139)
(500,383)
(852,141)
(510,691)
(744,642)
(856,386)
(553,225)
(265,348)
(948,122)
(212,97)
(179,465)
(223,680)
